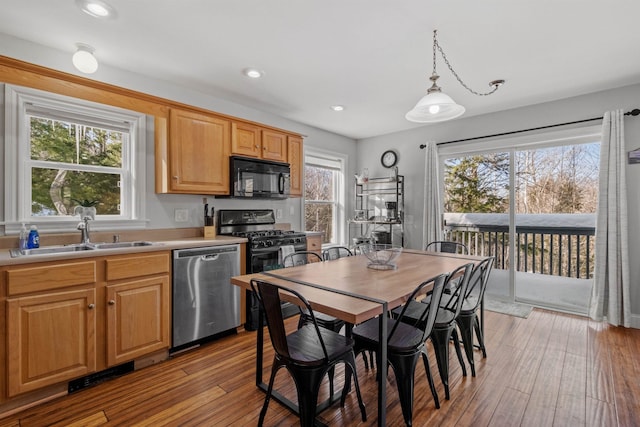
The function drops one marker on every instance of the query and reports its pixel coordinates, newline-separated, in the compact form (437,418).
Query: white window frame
(338,162)
(19,102)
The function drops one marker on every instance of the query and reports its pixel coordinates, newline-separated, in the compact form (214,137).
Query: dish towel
(284,251)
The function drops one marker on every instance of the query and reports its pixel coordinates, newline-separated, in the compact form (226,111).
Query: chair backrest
(478,284)
(448,247)
(269,297)
(453,302)
(301,258)
(428,317)
(336,252)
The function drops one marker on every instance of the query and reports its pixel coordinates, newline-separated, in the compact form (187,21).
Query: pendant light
(437,106)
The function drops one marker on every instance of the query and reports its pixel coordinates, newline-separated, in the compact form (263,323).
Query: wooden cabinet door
(137,318)
(51,338)
(296,161)
(314,243)
(246,139)
(199,147)
(274,146)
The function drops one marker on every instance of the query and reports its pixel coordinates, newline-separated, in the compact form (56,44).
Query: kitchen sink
(44,250)
(49,250)
(116,245)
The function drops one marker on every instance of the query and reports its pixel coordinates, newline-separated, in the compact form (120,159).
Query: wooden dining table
(348,289)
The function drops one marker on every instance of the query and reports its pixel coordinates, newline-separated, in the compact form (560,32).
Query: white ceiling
(372,56)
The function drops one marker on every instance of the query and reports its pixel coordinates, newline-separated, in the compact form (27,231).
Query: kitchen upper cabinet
(246,139)
(198,146)
(138,307)
(296,162)
(274,145)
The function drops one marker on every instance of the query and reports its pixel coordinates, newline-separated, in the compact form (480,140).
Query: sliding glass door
(532,206)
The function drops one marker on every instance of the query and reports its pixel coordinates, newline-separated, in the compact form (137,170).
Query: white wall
(411,158)
(160,207)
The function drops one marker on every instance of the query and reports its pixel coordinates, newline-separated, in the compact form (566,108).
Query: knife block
(210,231)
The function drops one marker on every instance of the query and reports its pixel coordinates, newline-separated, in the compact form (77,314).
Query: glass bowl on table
(381,256)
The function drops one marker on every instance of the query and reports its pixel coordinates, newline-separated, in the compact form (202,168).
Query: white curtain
(432,229)
(610,295)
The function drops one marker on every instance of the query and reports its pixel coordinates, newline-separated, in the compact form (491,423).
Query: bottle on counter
(24,237)
(34,238)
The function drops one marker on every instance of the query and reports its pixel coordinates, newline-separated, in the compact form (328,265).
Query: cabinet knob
(175,177)
(257,146)
(112,302)
(91,306)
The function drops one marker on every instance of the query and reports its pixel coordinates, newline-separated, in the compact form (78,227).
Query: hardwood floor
(551,369)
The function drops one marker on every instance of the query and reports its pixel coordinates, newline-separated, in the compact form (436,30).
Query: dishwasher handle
(210,257)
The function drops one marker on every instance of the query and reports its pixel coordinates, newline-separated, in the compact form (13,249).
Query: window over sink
(61,152)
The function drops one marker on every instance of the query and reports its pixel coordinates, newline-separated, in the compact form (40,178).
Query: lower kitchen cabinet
(137,318)
(68,319)
(50,338)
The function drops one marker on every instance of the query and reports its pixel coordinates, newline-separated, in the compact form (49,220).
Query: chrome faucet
(83,226)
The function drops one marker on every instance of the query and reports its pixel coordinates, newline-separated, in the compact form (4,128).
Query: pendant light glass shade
(84,60)
(435,107)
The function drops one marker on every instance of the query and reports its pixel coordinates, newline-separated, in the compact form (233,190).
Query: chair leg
(330,374)
(440,339)
(456,341)
(432,386)
(466,330)
(274,369)
(350,366)
(404,368)
(307,385)
(480,336)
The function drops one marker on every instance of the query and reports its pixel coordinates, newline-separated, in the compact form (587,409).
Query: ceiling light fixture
(96,8)
(84,60)
(436,106)
(337,107)
(252,73)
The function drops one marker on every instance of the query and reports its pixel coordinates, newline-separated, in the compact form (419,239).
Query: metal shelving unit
(374,216)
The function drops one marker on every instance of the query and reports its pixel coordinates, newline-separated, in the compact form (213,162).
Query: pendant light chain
(494,84)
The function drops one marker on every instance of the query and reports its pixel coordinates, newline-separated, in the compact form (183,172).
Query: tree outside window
(323,197)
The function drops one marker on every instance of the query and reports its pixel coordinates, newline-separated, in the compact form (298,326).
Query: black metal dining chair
(445,325)
(300,258)
(473,302)
(308,353)
(405,343)
(324,320)
(336,252)
(448,247)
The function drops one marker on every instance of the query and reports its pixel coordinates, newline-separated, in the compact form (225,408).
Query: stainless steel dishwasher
(205,303)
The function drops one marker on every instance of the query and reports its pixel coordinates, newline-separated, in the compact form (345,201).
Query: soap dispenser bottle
(24,237)
(34,238)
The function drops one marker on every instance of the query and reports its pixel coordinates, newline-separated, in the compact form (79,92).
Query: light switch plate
(181,215)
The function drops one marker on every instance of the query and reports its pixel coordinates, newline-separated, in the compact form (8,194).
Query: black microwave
(256,178)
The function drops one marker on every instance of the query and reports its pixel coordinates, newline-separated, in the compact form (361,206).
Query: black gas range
(263,248)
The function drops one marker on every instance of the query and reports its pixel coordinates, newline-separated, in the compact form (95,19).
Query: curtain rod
(634,112)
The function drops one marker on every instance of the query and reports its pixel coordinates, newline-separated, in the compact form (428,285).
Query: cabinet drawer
(34,279)
(135,266)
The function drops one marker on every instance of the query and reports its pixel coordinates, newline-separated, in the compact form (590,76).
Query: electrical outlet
(279,213)
(181,215)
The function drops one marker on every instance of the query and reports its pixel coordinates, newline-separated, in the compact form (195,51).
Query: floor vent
(99,377)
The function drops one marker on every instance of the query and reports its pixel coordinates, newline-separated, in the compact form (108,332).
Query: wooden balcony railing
(558,251)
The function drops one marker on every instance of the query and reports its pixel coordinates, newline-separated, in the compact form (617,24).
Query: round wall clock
(389,159)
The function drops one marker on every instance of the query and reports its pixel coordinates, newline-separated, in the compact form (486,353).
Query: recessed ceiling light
(97,8)
(252,73)
(337,107)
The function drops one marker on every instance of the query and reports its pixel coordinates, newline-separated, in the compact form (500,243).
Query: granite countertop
(159,245)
